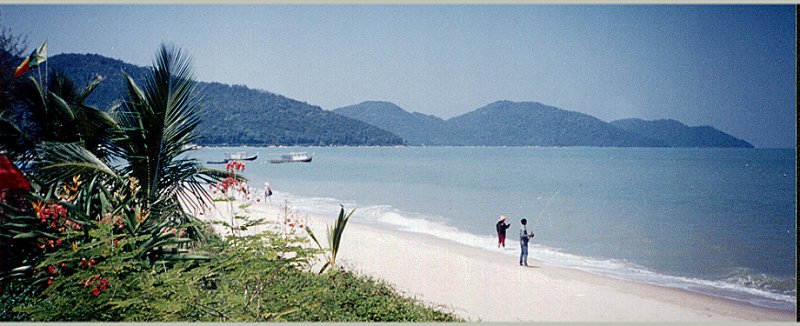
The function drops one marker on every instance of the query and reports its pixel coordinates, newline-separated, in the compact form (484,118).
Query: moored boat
(299,157)
(238,156)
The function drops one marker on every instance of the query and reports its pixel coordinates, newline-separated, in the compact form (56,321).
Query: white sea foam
(743,285)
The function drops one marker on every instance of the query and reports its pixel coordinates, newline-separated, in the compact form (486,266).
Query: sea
(721,222)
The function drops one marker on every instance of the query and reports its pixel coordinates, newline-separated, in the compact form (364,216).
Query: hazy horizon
(728,66)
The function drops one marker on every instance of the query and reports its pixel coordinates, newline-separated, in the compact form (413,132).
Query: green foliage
(261,277)
(334,238)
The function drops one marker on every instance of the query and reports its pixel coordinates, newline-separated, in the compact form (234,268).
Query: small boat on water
(293,158)
(238,156)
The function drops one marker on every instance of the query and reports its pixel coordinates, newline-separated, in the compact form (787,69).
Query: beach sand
(488,285)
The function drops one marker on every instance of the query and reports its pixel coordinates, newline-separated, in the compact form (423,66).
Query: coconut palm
(56,113)
(156,122)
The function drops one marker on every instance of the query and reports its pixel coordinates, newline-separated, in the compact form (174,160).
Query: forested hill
(232,115)
(509,123)
(506,123)
(677,134)
(415,128)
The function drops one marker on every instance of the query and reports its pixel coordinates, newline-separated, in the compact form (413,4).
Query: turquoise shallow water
(717,221)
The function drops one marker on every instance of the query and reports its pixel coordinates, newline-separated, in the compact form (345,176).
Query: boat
(293,158)
(238,156)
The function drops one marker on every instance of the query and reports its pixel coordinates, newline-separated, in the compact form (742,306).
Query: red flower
(63,265)
(50,281)
(58,241)
(51,269)
(92,262)
(95,292)
(103,287)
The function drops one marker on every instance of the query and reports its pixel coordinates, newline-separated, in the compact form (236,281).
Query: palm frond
(61,161)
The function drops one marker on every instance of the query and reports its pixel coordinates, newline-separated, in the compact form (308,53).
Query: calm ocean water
(716,221)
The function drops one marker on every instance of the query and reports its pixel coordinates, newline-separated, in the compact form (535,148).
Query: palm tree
(56,113)
(156,122)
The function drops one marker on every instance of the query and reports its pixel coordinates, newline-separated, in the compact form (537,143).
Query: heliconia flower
(37,206)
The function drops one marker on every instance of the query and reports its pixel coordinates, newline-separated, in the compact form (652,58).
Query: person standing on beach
(501,231)
(524,236)
(267,192)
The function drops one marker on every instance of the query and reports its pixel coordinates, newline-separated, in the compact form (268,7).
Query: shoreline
(481,285)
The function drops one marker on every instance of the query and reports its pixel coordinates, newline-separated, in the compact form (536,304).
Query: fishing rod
(545,207)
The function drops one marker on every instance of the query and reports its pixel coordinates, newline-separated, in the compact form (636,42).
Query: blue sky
(729,66)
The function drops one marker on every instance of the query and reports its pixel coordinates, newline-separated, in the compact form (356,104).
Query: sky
(732,67)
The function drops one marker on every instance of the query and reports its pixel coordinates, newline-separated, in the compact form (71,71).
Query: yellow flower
(37,206)
(74,246)
(141,215)
(76,183)
(134,184)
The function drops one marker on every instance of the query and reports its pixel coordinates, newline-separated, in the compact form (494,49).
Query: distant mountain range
(238,115)
(506,123)
(233,115)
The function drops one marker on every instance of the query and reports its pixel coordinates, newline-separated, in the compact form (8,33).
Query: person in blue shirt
(524,236)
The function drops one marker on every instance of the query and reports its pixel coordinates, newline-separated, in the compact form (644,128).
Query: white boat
(293,158)
(240,156)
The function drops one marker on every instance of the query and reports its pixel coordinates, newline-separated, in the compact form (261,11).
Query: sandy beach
(486,285)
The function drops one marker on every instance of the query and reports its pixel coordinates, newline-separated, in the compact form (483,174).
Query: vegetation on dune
(104,234)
